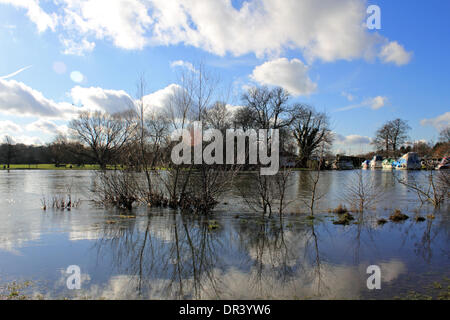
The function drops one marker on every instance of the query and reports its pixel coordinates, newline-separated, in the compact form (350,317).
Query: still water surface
(159,254)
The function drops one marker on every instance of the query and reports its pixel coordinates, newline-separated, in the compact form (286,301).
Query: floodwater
(160,254)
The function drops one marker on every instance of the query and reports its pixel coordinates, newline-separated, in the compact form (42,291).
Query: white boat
(444,164)
(365,165)
(409,161)
(388,164)
(376,162)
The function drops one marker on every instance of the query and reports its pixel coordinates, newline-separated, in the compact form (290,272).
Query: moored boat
(409,161)
(388,164)
(444,164)
(376,162)
(365,165)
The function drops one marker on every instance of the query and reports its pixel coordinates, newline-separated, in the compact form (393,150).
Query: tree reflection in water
(175,256)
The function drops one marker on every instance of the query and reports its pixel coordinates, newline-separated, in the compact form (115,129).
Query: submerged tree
(362,192)
(432,188)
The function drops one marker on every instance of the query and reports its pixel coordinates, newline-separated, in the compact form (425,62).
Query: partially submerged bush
(419,219)
(398,216)
(340,209)
(345,219)
(117,188)
(381,221)
(213,225)
(198,205)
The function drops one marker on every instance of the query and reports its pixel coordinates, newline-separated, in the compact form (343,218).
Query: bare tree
(392,135)
(362,192)
(314,195)
(382,138)
(197,186)
(270,108)
(398,132)
(266,109)
(310,130)
(9,150)
(433,188)
(444,134)
(152,131)
(106,135)
(218,117)
(117,188)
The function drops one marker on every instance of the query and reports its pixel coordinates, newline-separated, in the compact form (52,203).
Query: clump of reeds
(419,219)
(398,216)
(345,219)
(340,209)
(59,202)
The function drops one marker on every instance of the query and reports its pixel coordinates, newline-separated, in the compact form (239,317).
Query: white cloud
(374,103)
(9,126)
(291,75)
(159,100)
(46,126)
(19,99)
(23,139)
(377,102)
(78,48)
(122,21)
(440,122)
(328,30)
(395,53)
(353,139)
(113,101)
(95,98)
(183,64)
(35,13)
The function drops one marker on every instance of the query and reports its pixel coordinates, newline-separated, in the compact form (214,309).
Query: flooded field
(232,254)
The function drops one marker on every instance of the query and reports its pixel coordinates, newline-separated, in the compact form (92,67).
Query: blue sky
(320,51)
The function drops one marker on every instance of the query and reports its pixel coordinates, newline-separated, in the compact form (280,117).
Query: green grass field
(51,167)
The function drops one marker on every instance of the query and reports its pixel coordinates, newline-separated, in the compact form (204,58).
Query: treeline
(57,153)
(115,139)
(391,140)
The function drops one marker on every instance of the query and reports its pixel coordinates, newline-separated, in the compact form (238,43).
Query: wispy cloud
(440,122)
(183,64)
(374,103)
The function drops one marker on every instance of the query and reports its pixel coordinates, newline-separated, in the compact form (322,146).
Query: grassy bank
(77,167)
(51,167)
